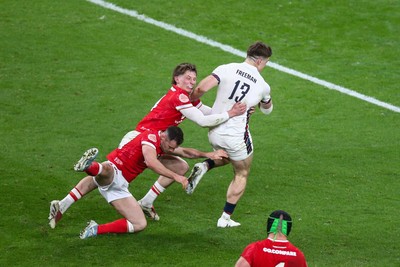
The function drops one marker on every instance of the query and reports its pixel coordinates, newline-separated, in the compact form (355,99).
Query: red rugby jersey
(270,253)
(129,159)
(166,112)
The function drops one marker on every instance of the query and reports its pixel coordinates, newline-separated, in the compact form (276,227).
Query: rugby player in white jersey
(236,82)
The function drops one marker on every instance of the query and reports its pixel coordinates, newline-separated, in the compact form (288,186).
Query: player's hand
(182,180)
(218,154)
(237,109)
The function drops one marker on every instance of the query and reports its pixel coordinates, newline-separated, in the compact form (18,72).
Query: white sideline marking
(236,52)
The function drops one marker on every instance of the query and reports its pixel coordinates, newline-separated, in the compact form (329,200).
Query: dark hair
(181,69)
(259,49)
(281,216)
(175,133)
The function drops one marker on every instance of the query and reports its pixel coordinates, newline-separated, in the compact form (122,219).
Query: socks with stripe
(71,198)
(153,193)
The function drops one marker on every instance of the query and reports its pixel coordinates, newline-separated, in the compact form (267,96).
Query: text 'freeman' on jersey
(246,75)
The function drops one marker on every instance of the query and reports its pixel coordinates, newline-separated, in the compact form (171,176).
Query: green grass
(74,75)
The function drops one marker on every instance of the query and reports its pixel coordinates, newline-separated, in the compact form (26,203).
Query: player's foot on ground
(86,159)
(224,223)
(195,176)
(90,230)
(55,213)
(150,212)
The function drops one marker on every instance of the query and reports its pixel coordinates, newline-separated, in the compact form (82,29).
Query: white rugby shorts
(117,189)
(237,147)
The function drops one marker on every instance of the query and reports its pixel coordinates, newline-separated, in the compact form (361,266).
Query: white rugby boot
(150,212)
(90,230)
(55,214)
(195,176)
(87,158)
(224,222)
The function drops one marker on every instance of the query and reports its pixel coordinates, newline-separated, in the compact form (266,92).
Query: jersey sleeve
(181,101)
(248,253)
(206,110)
(195,115)
(151,139)
(301,260)
(267,93)
(218,72)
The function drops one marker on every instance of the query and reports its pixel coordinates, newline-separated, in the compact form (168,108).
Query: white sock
(70,199)
(225,215)
(153,193)
(131,229)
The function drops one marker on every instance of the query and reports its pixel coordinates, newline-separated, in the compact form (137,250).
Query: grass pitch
(74,75)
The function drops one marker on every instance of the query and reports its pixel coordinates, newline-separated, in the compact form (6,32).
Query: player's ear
(163,135)
(176,79)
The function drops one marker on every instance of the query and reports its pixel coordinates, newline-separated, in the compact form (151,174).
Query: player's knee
(182,167)
(240,178)
(185,167)
(137,226)
(107,169)
(106,175)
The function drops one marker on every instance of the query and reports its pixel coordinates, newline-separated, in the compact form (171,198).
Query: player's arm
(152,162)
(205,85)
(301,260)
(192,153)
(206,110)
(195,115)
(266,105)
(242,262)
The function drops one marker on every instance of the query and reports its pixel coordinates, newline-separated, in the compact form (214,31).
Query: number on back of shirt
(243,90)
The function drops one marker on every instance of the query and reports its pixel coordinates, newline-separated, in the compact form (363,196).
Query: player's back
(269,253)
(238,82)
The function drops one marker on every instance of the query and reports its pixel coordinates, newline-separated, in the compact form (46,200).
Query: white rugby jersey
(238,82)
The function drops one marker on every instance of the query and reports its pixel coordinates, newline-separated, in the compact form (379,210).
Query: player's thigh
(117,188)
(175,164)
(130,209)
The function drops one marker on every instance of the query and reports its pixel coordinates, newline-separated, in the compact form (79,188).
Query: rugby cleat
(150,212)
(224,223)
(87,158)
(195,176)
(55,214)
(90,230)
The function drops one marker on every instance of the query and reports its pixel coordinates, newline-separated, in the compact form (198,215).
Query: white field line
(236,52)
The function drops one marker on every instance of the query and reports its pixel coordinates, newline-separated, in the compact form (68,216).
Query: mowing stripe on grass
(236,52)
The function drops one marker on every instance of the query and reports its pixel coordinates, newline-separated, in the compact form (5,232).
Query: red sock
(94,169)
(118,226)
